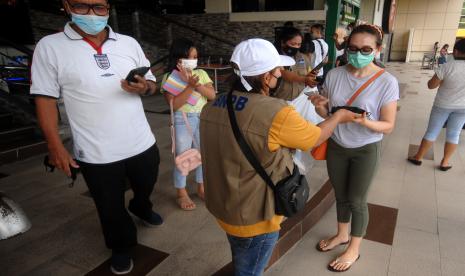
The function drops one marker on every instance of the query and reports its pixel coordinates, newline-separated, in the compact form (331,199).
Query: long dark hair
(287,34)
(179,49)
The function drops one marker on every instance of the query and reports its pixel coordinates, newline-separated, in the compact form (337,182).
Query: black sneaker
(121,263)
(153,220)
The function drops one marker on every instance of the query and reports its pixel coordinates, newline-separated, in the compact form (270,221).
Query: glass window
(271,5)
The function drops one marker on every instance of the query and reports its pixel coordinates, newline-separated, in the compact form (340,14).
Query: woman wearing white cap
(235,194)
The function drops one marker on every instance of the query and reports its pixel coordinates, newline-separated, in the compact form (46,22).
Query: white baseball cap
(257,56)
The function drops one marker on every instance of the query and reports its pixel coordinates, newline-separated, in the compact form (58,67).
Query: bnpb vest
(290,90)
(234,192)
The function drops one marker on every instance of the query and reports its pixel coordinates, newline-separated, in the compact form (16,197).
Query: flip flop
(339,261)
(414,161)
(184,201)
(321,248)
(445,168)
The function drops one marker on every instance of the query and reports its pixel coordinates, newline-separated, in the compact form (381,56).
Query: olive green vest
(234,192)
(290,90)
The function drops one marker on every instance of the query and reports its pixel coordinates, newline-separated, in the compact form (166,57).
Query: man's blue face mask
(90,24)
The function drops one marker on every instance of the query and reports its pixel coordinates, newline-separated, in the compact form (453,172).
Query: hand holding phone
(141,71)
(50,168)
(311,93)
(353,109)
(318,67)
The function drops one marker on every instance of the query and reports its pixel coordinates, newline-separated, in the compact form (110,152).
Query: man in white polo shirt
(86,65)
(321,47)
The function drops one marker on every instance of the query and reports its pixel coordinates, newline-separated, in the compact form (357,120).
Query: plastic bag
(306,109)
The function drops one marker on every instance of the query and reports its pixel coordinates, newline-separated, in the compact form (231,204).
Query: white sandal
(345,262)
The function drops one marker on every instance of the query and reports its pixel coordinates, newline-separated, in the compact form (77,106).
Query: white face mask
(190,64)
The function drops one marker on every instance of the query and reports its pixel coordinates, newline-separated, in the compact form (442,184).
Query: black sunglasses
(82,9)
(366,50)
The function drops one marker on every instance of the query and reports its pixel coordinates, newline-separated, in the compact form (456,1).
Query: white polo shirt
(318,54)
(108,124)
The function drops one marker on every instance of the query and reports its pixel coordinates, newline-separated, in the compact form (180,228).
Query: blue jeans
(251,255)
(455,120)
(184,142)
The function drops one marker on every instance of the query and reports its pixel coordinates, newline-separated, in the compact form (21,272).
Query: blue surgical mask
(90,24)
(360,61)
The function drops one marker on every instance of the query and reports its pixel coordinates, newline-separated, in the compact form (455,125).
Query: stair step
(22,150)
(20,143)
(10,136)
(6,121)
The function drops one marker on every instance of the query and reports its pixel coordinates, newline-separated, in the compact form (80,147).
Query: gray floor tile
(304,259)
(451,206)
(452,240)
(417,206)
(385,192)
(452,268)
(415,253)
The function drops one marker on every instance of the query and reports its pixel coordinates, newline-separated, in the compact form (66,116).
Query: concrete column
(261,5)
(319,4)
(218,6)
(135,25)
(114,19)
(169,35)
(410,44)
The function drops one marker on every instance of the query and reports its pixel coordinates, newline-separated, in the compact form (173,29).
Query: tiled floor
(428,235)
(145,258)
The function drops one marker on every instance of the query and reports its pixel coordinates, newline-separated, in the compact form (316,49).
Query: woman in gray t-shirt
(449,106)
(354,149)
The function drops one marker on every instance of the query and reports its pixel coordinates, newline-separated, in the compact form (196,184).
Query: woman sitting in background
(443,54)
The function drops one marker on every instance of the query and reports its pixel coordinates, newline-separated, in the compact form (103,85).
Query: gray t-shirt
(451,92)
(339,87)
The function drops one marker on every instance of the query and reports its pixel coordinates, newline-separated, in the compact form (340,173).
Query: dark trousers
(351,172)
(107,184)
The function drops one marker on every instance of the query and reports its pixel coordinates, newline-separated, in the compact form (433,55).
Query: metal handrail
(50,30)
(21,65)
(18,47)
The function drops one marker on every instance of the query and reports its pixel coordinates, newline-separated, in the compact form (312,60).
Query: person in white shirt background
(321,47)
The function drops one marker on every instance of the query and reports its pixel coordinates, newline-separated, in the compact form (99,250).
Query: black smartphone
(50,168)
(354,109)
(311,93)
(319,66)
(141,71)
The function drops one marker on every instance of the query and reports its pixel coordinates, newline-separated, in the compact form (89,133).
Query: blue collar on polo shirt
(73,35)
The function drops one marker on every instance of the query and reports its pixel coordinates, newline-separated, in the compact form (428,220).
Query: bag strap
(245,148)
(189,129)
(173,133)
(365,85)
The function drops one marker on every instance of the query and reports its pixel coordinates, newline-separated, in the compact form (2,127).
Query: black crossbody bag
(290,193)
